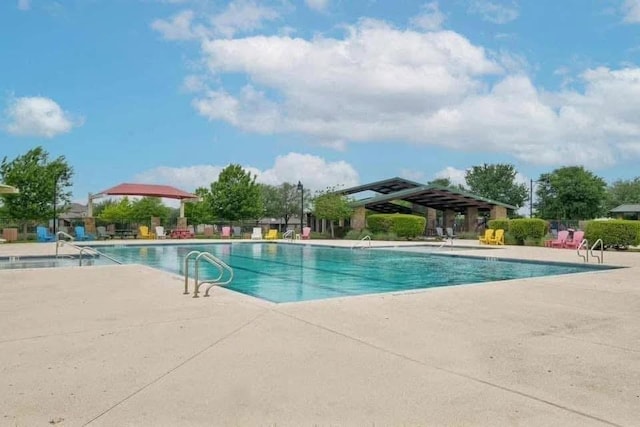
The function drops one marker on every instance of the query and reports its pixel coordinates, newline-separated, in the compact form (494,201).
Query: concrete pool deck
(120,345)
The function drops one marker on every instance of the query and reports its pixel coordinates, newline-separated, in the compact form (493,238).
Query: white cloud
(495,11)
(319,5)
(314,172)
(413,175)
(38,116)
(456,176)
(176,28)
(631,11)
(242,16)
(430,19)
(24,4)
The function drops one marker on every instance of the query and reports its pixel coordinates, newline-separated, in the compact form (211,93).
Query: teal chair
(43,235)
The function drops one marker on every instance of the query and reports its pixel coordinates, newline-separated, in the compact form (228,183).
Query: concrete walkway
(120,345)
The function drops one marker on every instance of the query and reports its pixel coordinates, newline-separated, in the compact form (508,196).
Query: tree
(236,195)
(623,192)
(36,177)
(117,212)
(570,193)
(143,209)
(446,182)
(200,211)
(283,201)
(332,206)
(497,182)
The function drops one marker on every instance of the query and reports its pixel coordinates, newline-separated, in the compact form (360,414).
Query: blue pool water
(284,273)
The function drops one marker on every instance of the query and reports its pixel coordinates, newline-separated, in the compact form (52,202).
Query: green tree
(117,212)
(332,206)
(283,201)
(236,195)
(622,192)
(143,209)
(199,212)
(36,177)
(446,182)
(497,182)
(570,193)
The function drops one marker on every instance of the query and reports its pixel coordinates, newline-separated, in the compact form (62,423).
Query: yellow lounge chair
(144,232)
(498,238)
(271,234)
(488,235)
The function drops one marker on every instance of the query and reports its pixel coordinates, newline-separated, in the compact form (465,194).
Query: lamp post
(301,190)
(55,199)
(531,181)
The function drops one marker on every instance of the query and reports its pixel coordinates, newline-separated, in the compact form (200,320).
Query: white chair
(160,232)
(257,233)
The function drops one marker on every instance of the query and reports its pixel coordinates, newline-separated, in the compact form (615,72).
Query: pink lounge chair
(559,242)
(578,236)
(306,233)
(226,233)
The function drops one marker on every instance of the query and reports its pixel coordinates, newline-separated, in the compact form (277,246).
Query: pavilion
(399,195)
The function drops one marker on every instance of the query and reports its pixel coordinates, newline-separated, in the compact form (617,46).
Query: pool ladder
(366,240)
(289,235)
(222,267)
(82,249)
(585,245)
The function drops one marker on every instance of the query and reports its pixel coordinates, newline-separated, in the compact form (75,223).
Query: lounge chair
(81,234)
(306,233)
(237,232)
(488,235)
(578,236)
(102,232)
(560,241)
(257,233)
(498,237)
(271,234)
(226,233)
(450,234)
(440,233)
(160,234)
(145,233)
(43,235)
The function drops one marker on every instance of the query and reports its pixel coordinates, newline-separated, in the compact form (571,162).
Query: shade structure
(145,190)
(7,189)
(148,190)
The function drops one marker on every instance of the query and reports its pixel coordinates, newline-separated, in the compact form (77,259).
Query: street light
(55,199)
(531,181)
(301,190)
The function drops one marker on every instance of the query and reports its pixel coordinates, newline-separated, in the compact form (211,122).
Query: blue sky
(328,92)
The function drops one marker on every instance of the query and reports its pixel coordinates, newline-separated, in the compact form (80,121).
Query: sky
(326,92)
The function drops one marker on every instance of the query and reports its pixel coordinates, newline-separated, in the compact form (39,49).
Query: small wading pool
(286,272)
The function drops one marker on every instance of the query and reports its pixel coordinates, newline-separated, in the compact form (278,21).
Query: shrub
(400,224)
(496,224)
(509,239)
(385,236)
(524,228)
(467,235)
(614,232)
(533,241)
(357,234)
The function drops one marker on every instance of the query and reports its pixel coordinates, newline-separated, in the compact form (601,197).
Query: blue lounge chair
(82,235)
(43,235)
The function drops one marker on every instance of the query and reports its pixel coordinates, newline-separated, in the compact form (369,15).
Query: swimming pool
(14,262)
(287,272)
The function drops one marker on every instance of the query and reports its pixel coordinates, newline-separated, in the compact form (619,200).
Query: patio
(121,346)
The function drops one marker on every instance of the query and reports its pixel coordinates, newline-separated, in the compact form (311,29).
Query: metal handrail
(82,249)
(216,262)
(366,238)
(584,244)
(63,234)
(186,270)
(445,241)
(601,256)
(289,234)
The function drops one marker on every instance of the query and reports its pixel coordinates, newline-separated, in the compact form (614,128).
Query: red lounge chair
(306,233)
(578,236)
(559,242)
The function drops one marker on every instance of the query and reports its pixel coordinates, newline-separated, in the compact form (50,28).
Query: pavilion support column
(498,212)
(358,218)
(448,217)
(90,225)
(182,223)
(471,219)
(182,208)
(432,217)
(90,206)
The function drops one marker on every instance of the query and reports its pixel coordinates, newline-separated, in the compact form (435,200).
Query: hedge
(620,233)
(528,228)
(496,224)
(401,224)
